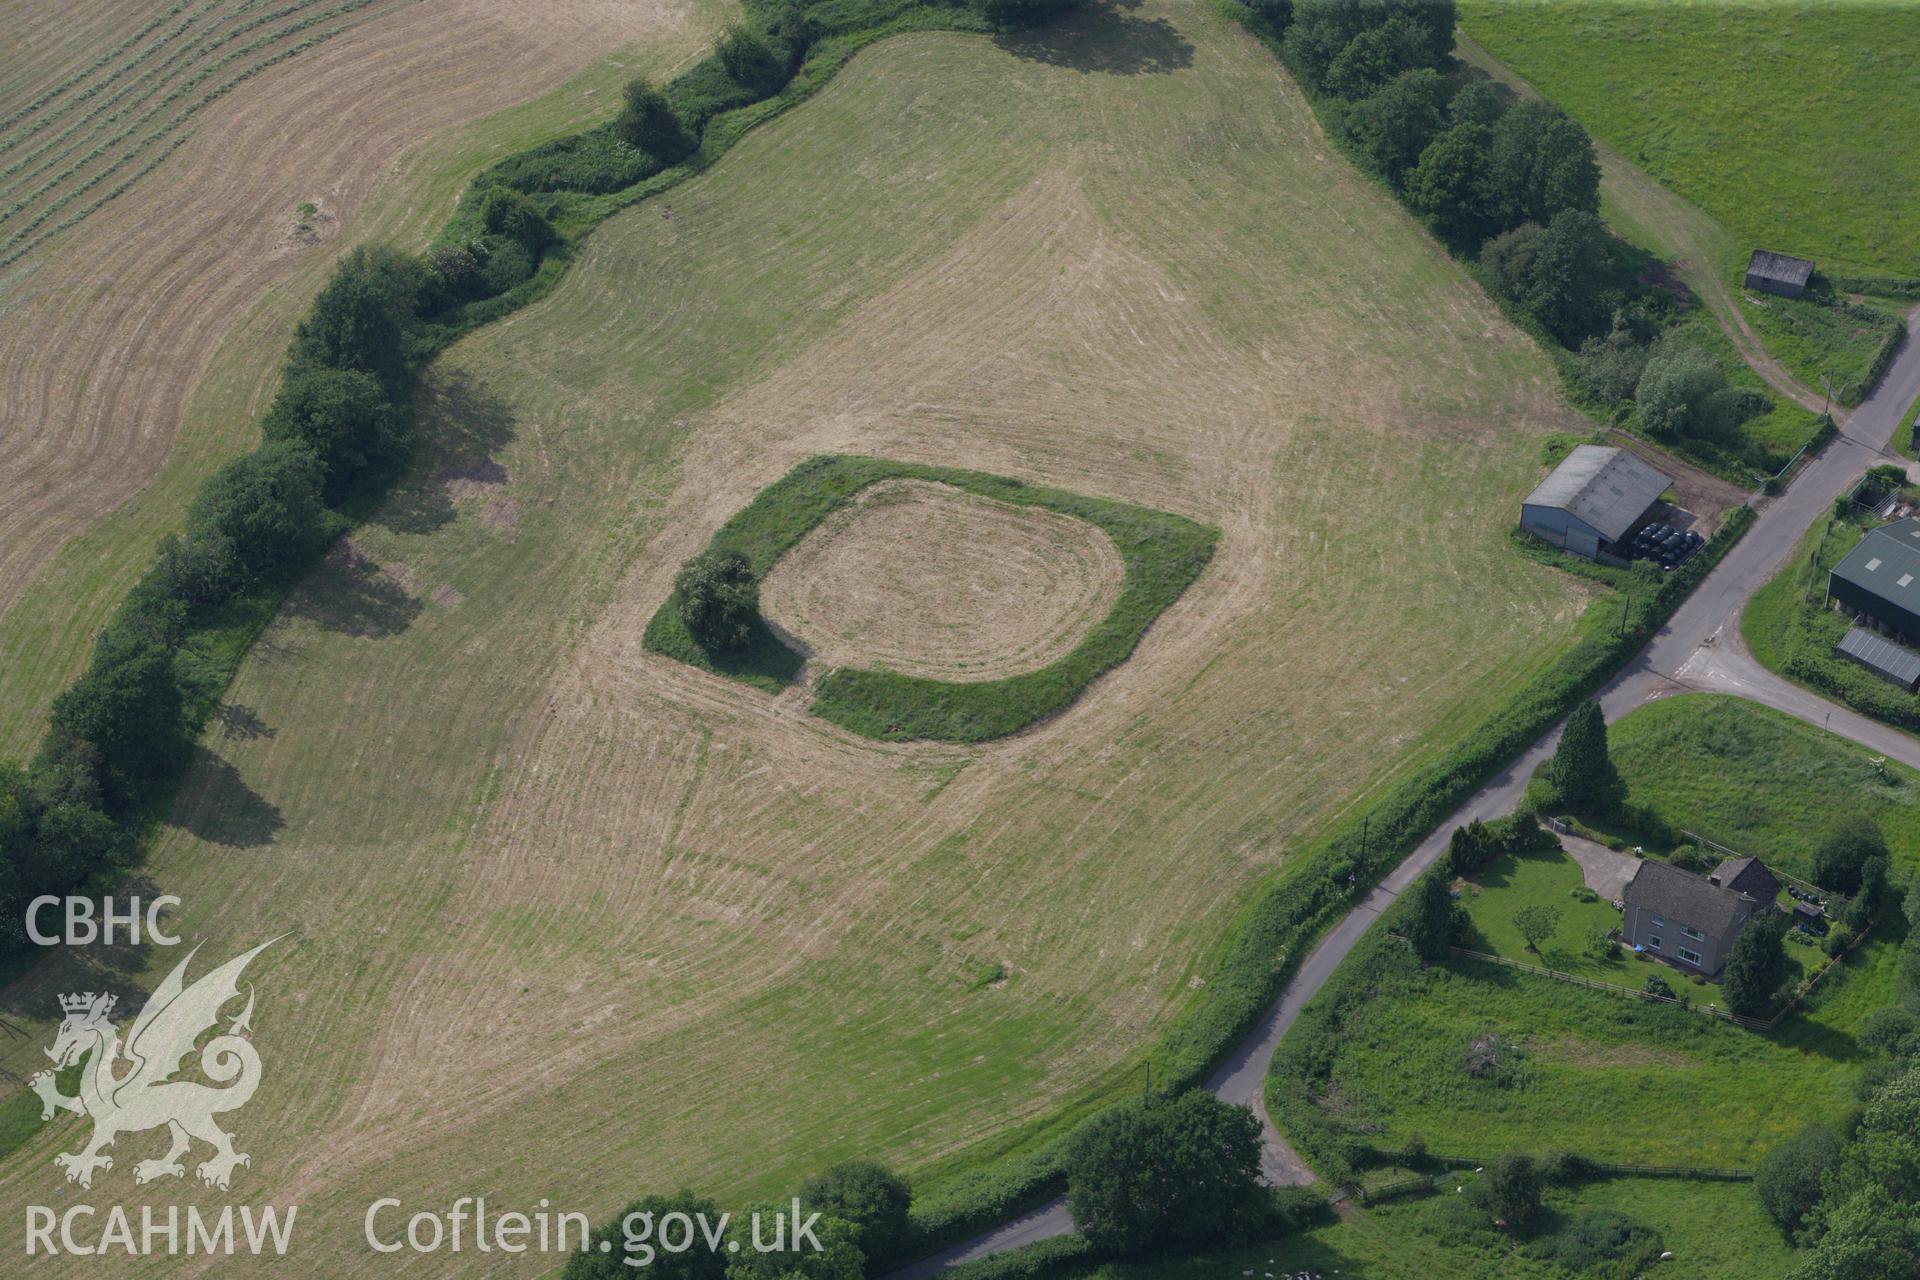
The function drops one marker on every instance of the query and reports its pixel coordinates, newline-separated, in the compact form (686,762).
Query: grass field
(579,921)
(1797,781)
(1823,342)
(1715,1230)
(1785,122)
(1700,1091)
(1774,121)
(138,346)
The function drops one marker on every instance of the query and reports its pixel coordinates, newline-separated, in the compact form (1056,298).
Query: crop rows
(144,141)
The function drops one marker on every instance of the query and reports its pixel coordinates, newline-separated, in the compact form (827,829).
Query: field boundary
(1163,554)
(1752,1024)
(1590,1169)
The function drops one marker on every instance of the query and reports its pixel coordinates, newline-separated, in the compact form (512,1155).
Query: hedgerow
(79,814)
(1162,555)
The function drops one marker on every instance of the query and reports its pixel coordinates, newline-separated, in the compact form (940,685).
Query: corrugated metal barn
(1893,663)
(1880,579)
(1592,500)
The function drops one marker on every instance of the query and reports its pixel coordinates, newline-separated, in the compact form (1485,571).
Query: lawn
(1789,124)
(576,920)
(1552,880)
(1715,1230)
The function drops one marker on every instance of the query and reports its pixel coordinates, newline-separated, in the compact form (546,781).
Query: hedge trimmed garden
(1162,554)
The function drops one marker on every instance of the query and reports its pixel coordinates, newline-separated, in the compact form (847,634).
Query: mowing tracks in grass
(1162,553)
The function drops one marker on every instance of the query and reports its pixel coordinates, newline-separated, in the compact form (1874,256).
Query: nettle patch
(937,603)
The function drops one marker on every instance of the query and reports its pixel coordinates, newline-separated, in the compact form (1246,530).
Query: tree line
(338,432)
(1512,186)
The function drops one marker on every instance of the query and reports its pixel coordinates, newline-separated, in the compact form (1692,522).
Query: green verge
(1259,954)
(1162,554)
(1823,336)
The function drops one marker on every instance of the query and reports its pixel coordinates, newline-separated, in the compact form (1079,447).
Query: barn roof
(1887,564)
(1783,267)
(1607,488)
(1881,655)
(1684,898)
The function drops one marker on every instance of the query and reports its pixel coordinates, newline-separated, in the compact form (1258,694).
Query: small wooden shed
(1770,272)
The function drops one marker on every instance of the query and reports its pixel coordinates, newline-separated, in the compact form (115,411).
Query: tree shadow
(241,723)
(465,424)
(1104,38)
(218,806)
(51,972)
(356,597)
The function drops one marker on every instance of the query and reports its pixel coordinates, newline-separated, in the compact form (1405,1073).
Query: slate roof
(1783,267)
(1749,876)
(1887,564)
(1878,654)
(1684,898)
(1607,488)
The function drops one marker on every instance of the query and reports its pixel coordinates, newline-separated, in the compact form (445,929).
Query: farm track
(131,326)
(1683,234)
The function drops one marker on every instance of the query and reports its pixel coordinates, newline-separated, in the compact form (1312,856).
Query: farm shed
(1592,500)
(1891,662)
(1878,583)
(1780,273)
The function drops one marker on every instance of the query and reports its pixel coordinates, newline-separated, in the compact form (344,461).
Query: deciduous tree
(1536,924)
(649,122)
(719,600)
(1151,1175)
(1756,966)
(870,1196)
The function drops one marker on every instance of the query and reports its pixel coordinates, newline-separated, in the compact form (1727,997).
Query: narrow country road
(1698,650)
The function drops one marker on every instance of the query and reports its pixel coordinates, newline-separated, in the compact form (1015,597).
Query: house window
(1658,923)
(1691,957)
(1693,933)
(1654,943)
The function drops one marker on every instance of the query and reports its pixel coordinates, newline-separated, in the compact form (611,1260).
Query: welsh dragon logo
(127,1090)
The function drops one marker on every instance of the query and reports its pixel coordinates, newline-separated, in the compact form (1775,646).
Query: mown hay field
(139,342)
(575,920)
(1790,124)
